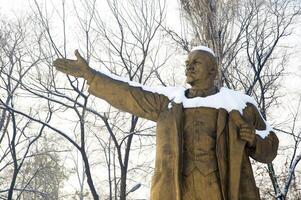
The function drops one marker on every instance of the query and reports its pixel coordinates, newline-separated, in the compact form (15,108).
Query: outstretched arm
(120,94)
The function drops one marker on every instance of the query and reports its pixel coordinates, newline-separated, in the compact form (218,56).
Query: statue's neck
(201,92)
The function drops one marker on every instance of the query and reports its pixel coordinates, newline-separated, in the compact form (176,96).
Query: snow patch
(203,48)
(225,98)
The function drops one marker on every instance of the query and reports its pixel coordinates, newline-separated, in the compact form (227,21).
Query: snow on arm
(225,98)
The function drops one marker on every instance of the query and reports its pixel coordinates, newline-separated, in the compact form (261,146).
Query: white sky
(13,7)
(292,82)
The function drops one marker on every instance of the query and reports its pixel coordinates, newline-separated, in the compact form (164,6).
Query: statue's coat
(236,176)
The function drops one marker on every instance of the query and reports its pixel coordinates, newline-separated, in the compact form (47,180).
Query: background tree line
(59,142)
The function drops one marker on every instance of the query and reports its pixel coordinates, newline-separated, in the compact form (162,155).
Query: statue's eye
(193,63)
(187,64)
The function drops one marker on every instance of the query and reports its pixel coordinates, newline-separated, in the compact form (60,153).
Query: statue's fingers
(63,69)
(56,62)
(67,71)
(65,64)
(60,62)
(250,132)
(70,68)
(245,130)
(64,61)
(60,65)
(245,134)
(245,137)
(245,125)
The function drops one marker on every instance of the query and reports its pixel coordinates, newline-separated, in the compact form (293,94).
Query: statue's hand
(246,132)
(77,68)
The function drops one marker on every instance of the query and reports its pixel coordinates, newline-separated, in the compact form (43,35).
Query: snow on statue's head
(207,52)
(203,48)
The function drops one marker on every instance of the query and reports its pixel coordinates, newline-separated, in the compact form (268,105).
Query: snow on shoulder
(225,98)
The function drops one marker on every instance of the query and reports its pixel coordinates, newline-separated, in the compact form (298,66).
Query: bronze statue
(202,153)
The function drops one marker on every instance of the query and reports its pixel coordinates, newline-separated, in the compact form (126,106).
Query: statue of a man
(202,145)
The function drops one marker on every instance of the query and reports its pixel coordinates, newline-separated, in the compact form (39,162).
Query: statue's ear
(213,71)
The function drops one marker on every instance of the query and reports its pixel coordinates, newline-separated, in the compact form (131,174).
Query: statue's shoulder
(236,94)
(237,99)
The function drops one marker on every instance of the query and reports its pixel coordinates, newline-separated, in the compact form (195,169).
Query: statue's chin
(189,80)
(191,83)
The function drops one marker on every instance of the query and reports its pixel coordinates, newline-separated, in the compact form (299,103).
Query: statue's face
(200,71)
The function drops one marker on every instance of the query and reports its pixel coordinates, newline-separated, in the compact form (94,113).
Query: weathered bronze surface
(201,153)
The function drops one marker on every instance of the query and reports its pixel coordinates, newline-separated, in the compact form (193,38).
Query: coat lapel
(236,151)
(221,122)
(221,150)
(168,163)
(178,121)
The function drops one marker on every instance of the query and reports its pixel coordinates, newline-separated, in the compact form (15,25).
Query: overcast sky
(292,82)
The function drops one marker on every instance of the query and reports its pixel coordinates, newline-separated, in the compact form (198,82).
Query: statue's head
(201,67)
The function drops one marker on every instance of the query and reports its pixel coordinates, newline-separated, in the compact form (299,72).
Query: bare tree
(128,48)
(17,134)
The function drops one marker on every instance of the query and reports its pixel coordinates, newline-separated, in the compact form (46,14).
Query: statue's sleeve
(266,147)
(127,98)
